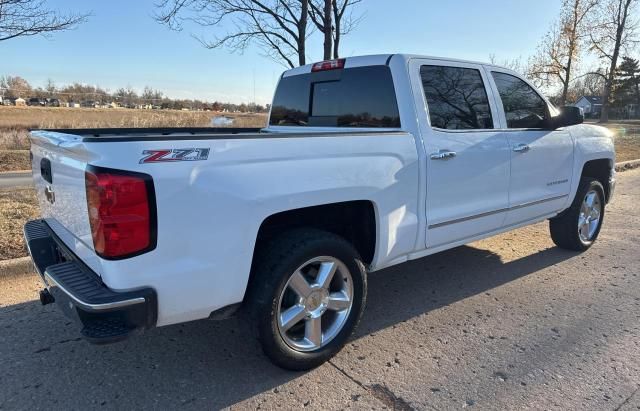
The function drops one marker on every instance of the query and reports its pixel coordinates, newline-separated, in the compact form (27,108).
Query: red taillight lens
(328,65)
(120,213)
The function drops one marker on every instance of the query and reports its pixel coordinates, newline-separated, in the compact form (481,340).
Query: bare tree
(614,31)
(278,27)
(345,22)
(15,86)
(20,18)
(514,64)
(333,18)
(589,84)
(50,87)
(561,47)
(321,15)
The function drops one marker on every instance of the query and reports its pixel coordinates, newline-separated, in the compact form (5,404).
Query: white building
(591,105)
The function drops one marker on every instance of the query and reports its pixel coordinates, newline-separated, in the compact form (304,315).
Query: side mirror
(569,115)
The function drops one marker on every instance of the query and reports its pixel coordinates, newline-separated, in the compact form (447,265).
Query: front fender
(591,142)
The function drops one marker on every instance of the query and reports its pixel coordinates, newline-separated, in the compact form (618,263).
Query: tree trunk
(604,114)
(608,84)
(573,45)
(565,83)
(336,39)
(302,31)
(328,32)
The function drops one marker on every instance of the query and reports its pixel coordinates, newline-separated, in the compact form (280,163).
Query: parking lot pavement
(509,322)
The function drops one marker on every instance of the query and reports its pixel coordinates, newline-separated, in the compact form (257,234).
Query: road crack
(380,392)
(619,407)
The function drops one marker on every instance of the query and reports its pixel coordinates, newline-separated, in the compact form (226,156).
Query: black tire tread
(563,228)
(271,258)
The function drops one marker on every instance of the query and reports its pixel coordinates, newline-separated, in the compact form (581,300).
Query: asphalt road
(510,322)
(8,180)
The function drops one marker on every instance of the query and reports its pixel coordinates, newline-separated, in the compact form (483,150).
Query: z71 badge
(176,154)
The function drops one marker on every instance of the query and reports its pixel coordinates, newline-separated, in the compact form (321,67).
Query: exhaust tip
(46,297)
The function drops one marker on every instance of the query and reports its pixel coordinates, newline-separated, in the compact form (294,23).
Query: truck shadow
(216,364)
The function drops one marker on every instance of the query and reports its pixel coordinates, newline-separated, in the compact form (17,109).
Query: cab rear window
(353,97)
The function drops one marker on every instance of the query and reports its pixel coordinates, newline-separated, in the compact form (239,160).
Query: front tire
(307,295)
(577,228)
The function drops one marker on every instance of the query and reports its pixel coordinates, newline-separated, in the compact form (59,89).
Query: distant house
(591,105)
(20,102)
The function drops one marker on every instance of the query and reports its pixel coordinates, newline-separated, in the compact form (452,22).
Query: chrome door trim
(500,210)
(471,217)
(544,200)
(500,230)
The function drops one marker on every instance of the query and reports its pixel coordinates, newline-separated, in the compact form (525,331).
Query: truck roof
(381,59)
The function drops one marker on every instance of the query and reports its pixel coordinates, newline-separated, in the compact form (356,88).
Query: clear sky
(122,45)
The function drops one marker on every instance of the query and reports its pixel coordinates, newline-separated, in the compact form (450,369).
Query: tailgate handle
(45,170)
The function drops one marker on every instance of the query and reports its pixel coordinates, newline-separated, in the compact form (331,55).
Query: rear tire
(306,296)
(577,228)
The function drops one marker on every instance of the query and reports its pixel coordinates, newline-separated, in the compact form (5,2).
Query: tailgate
(58,163)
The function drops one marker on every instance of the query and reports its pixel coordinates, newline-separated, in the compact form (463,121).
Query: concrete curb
(16,266)
(9,173)
(627,165)
(23,265)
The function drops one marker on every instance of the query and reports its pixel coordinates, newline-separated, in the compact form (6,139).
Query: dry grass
(627,140)
(17,206)
(12,160)
(62,117)
(15,122)
(14,139)
(627,149)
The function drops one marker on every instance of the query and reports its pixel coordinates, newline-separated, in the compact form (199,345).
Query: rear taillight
(122,212)
(328,65)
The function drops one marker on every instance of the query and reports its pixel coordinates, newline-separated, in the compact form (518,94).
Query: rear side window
(456,98)
(354,97)
(523,107)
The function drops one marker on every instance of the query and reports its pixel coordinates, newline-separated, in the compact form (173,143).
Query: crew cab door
(467,160)
(541,157)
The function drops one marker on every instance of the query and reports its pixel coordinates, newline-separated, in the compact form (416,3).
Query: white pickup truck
(366,162)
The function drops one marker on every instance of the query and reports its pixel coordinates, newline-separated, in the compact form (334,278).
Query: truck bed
(105,135)
(156,133)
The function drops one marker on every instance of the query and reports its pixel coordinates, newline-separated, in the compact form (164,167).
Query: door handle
(442,155)
(521,148)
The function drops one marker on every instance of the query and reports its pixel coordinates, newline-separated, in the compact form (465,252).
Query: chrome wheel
(315,303)
(589,218)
